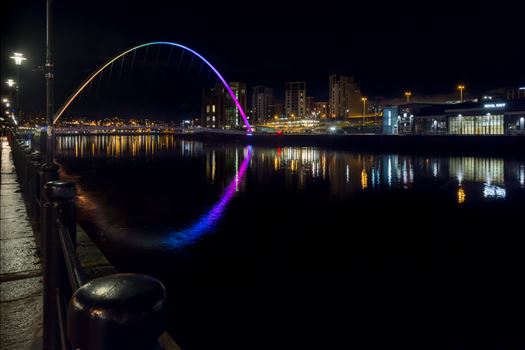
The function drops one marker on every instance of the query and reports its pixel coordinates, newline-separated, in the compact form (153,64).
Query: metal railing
(119,311)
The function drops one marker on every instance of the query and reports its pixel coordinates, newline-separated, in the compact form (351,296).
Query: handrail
(73,267)
(114,297)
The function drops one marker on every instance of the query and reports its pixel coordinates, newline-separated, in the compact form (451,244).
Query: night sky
(426,47)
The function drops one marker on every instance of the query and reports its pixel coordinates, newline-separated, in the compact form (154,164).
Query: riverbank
(415,144)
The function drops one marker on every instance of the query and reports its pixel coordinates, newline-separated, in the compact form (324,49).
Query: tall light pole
(461,87)
(408,94)
(49,86)
(18,58)
(364,109)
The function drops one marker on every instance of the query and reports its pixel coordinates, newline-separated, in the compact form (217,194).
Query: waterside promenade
(20,265)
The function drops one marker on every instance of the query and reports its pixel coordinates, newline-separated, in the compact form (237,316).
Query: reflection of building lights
(522,175)
(364,179)
(491,191)
(461,195)
(347,173)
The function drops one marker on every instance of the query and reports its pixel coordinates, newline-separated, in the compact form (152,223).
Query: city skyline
(377,56)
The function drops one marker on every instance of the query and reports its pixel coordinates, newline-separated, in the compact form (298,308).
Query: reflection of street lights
(364,108)
(461,87)
(408,94)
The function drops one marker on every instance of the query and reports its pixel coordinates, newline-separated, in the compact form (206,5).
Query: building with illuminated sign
(487,117)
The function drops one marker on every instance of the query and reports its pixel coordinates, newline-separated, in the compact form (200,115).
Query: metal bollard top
(59,190)
(123,311)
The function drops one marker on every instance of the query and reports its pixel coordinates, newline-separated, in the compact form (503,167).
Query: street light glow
(18,58)
(461,87)
(10,82)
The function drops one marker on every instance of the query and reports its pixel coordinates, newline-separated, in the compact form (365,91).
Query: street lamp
(408,94)
(10,82)
(18,58)
(364,108)
(461,87)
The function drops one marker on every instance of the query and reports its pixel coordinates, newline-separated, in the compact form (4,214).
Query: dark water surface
(308,248)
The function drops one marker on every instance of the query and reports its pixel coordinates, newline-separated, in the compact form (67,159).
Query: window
(477,125)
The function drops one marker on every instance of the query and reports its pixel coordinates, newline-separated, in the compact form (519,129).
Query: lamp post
(408,94)
(49,86)
(364,109)
(461,87)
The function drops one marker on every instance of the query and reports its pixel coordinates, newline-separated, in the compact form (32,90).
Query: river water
(310,248)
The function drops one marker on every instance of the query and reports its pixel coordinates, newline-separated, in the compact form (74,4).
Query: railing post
(27,173)
(35,186)
(43,141)
(121,311)
(59,197)
(47,173)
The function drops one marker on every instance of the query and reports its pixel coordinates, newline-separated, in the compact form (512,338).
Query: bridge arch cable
(101,69)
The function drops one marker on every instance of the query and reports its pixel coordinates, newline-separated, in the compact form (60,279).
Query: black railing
(119,311)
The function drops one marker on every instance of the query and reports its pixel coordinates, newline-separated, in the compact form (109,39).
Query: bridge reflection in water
(239,233)
(345,172)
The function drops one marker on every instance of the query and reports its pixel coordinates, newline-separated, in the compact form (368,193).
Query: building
(344,96)
(493,117)
(310,106)
(295,99)
(487,118)
(233,118)
(212,110)
(321,109)
(262,98)
(219,110)
(277,110)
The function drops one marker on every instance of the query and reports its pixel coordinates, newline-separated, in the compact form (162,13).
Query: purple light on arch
(104,66)
(206,222)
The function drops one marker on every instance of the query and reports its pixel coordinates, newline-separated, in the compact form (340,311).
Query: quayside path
(20,265)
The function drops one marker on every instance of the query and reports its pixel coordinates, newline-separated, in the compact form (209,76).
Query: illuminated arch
(100,69)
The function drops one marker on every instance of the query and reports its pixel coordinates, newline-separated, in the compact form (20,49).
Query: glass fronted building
(477,125)
(479,118)
(487,118)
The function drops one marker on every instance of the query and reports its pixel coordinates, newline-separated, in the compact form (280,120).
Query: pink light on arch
(104,66)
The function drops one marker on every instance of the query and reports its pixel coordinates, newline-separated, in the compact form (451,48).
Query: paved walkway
(20,265)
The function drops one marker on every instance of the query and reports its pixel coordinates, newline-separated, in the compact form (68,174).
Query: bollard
(59,197)
(64,193)
(46,173)
(121,311)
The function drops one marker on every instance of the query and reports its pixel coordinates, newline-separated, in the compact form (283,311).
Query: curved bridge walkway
(20,265)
